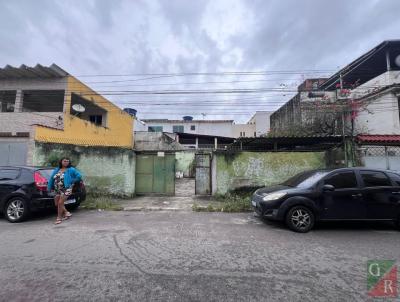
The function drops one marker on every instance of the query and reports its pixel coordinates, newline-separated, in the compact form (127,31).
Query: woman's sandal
(58,221)
(67,216)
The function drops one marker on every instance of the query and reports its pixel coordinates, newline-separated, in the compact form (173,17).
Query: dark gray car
(335,194)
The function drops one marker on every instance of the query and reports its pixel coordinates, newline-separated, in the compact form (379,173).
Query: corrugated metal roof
(378,138)
(26,72)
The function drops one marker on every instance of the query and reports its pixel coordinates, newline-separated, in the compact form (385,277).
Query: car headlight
(274,196)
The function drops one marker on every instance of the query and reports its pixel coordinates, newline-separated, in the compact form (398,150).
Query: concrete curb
(156,209)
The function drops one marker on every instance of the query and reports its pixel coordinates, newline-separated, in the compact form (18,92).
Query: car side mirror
(328,188)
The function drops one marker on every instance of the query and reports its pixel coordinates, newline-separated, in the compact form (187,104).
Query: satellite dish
(78,108)
(397,61)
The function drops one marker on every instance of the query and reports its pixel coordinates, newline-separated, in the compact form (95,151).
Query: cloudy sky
(197,54)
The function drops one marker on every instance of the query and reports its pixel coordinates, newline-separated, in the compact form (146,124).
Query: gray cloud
(140,37)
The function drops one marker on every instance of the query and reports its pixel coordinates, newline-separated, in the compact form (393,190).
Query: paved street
(186,256)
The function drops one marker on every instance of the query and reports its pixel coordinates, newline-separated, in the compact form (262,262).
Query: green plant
(103,202)
(227,203)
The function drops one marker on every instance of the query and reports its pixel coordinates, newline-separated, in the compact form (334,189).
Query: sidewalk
(182,201)
(167,203)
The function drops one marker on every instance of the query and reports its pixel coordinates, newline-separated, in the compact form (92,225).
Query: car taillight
(40,181)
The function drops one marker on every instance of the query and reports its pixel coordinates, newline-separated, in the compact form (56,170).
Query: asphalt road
(186,256)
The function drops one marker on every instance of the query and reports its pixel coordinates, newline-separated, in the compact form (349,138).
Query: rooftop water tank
(130,111)
(188,118)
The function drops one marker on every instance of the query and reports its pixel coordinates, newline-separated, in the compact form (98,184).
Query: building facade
(202,127)
(361,98)
(48,105)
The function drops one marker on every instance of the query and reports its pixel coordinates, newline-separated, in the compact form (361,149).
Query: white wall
(247,129)
(201,127)
(263,124)
(381,117)
(385,79)
(382,114)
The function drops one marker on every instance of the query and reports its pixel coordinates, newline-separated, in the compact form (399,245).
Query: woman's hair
(60,162)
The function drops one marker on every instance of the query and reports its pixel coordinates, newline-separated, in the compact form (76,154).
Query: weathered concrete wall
(185,163)
(106,170)
(251,169)
(155,141)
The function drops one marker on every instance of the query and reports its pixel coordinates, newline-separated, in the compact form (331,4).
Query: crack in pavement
(126,257)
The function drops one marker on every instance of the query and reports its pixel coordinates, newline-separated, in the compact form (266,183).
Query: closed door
(380,196)
(159,175)
(12,154)
(155,174)
(203,174)
(346,200)
(144,173)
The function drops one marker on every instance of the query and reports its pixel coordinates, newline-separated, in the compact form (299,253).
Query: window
(7,101)
(244,133)
(96,119)
(255,134)
(93,113)
(375,179)
(177,129)
(193,127)
(8,174)
(395,177)
(43,101)
(155,129)
(342,180)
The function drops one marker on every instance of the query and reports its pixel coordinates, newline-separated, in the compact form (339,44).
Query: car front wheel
(17,209)
(300,219)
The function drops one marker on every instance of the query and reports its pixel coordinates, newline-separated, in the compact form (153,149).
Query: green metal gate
(203,174)
(155,173)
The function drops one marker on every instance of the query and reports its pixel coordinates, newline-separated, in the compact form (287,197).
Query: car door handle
(356,195)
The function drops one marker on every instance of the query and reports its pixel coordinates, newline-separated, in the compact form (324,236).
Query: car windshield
(305,179)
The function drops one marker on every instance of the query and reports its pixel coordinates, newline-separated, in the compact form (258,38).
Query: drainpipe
(197,143)
(215,143)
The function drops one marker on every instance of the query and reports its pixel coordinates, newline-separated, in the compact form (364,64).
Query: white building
(258,125)
(370,86)
(203,127)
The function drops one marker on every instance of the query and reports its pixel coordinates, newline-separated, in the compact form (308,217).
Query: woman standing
(61,181)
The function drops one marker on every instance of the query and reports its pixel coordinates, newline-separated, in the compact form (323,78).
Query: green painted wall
(106,170)
(185,163)
(248,169)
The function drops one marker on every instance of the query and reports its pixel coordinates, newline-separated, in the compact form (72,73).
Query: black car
(24,189)
(337,194)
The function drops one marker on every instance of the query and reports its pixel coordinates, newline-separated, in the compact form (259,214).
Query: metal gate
(14,153)
(203,174)
(155,173)
(381,157)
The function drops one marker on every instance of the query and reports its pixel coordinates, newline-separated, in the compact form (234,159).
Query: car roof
(328,170)
(26,167)
(355,169)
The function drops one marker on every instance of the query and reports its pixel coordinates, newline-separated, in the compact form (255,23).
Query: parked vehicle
(336,194)
(24,189)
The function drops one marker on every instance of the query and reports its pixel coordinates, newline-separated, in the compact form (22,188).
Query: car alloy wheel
(300,219)
(16,210)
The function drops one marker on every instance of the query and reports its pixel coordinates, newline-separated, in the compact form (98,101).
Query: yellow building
(48,105)
(101,124)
